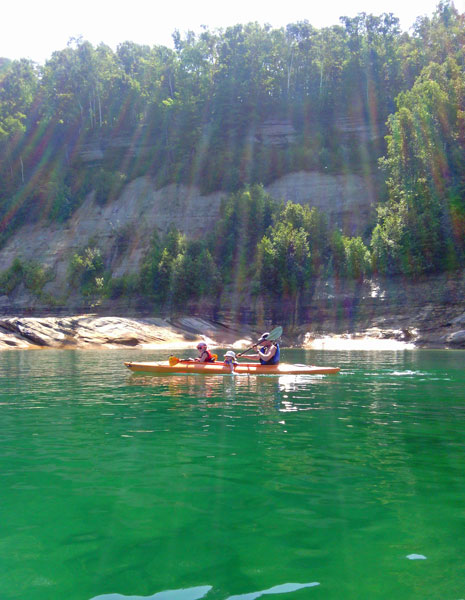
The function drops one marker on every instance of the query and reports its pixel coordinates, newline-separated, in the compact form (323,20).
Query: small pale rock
(457,338)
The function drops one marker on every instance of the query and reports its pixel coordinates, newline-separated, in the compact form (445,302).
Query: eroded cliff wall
(122,229)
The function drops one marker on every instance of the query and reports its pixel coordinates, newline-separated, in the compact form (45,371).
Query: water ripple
(199,592)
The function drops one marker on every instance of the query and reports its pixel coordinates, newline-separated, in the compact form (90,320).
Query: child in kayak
(268,352)
(205,356)
(230,360)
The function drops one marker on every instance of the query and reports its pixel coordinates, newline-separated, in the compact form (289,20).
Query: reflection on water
(199,592)
(266,392)
(184,594)
(277,589)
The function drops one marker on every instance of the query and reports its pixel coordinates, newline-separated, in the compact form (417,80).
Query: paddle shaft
(274,335)
(217,362)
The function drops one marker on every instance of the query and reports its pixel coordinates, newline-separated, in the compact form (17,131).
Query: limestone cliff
(122,229)
(428,312)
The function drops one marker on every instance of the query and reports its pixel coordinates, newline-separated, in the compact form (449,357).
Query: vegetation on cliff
(194,114)
(258,248)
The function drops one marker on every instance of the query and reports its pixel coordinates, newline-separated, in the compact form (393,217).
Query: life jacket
(274,360)
(209,356)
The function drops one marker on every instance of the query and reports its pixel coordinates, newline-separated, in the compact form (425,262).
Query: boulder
(460,320)
(457,339)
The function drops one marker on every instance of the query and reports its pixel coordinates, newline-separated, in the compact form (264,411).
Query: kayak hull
(220,369)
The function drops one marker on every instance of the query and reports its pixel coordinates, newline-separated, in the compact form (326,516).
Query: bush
(86,272)
(12,277)
(62,202)
(108,185)
(122,287)
(32,274)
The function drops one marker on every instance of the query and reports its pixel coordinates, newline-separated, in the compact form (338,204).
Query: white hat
(264,337)
(230,353)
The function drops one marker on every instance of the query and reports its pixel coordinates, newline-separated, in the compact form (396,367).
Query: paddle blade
(173,360)
(275,334)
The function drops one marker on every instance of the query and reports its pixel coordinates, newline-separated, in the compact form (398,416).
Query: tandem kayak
(219,368)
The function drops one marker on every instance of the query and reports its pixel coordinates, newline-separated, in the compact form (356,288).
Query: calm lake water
(349,486)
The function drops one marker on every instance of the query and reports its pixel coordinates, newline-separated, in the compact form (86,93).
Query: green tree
(284,262)
(246,216)
(19,81)
(425,169)
(194,275)
(357,258)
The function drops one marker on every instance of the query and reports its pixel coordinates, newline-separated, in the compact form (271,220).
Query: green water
(119,485)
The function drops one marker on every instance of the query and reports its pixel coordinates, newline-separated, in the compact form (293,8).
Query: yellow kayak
(218,368)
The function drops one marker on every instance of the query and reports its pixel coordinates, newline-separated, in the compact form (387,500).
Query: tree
(284,264)
(425,169)
(19,80)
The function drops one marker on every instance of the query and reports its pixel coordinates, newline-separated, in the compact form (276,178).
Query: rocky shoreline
(111,332)
(378,313)
(93,331)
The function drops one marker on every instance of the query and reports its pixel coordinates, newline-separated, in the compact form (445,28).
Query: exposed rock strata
(88,331)
(92,331)
(347,200)
(123,229)
(427,313)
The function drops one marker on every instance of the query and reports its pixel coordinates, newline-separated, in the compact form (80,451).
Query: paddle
(273,335)
(174,360)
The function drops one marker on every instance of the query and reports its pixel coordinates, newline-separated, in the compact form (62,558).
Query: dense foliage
(421,228)
(192,114)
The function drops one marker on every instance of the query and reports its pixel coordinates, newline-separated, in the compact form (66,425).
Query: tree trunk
(91,114)
(289,72)
(99,109)
(295,319)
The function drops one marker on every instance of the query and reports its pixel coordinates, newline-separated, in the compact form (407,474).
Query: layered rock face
(123,229)
(430,312)
(93,331)
(347,200)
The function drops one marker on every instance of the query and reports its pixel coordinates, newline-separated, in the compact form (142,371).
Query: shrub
(33,275)
(108,185)
(86,272)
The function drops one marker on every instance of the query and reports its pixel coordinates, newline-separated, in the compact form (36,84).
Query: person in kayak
(268,352)
(230,360)
(205,356)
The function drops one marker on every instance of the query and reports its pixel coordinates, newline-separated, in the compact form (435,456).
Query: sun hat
(264,337)
(230,353)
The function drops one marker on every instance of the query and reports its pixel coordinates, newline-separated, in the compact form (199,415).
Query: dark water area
(116,485)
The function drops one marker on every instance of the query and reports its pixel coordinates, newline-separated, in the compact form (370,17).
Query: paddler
(205,356)
(268,352)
